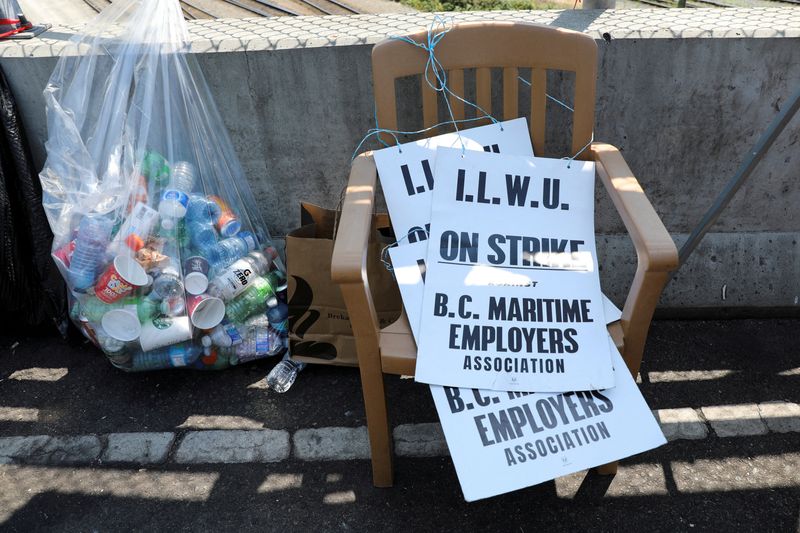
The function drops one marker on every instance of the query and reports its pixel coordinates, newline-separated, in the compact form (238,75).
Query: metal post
(754,156)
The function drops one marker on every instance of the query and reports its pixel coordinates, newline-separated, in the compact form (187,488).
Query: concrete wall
(683,93)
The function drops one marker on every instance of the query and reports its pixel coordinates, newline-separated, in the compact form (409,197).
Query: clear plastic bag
(157,233)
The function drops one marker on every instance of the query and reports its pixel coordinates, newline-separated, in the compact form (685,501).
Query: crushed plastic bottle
(202,235)
(227,251)
(258,342)
(201,209)
(282,377)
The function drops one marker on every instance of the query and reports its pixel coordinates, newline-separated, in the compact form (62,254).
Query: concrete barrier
(683,93)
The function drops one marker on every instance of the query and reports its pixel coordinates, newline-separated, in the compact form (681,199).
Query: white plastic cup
(122,324)
(206,311)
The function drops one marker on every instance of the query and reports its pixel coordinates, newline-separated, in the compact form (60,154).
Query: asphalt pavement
(96,449)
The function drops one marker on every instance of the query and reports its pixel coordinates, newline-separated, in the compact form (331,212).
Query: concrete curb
(346,443)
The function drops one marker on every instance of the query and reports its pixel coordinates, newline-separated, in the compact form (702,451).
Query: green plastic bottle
(254,300)
(155,168)
(148,308)
(277,279)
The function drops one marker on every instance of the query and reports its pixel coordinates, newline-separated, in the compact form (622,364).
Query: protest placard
(406,170)
(504,441)
(512,296)
(408,265)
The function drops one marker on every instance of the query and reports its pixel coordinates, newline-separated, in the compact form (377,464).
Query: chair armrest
(655,248)
(349,262)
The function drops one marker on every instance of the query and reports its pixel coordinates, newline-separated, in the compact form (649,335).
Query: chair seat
(399,350)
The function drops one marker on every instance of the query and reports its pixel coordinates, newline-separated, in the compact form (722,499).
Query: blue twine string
(436,77)
(387,264)
(556,100)
(562,104)
(395,133)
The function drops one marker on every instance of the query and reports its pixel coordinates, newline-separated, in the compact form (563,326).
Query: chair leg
(608,469)
(380,435)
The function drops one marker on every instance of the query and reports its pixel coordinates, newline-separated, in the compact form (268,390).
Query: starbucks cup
(205,311)
(122,324)
(164,331)
(195,274)
(119,279)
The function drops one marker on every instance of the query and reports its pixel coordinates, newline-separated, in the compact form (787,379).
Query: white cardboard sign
(406,170)
(512,296)
(408,265)
(500,442)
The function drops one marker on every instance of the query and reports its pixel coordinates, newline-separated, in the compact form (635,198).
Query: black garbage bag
(32,293)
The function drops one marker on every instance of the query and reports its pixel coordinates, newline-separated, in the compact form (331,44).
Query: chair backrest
(488,45)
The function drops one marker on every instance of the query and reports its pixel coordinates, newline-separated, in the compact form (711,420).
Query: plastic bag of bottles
(157,233)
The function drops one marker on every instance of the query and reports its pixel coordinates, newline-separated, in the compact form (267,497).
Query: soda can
(228,223)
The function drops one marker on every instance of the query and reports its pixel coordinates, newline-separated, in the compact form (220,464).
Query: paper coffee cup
(122,324)
(206,311)
(119,279)
(164,331)
(195,274)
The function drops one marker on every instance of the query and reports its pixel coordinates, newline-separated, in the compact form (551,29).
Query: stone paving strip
(263,445)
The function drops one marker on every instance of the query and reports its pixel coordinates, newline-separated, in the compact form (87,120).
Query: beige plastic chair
(483,46)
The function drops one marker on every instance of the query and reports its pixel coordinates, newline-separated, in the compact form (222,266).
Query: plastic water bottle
(201,209)
(175,199)
(225,335)
(202,234)
(148,308)
(282,377)
(173,237)
(227,251)
(168,284)
(259,342)
(94,233)
(92,309)
(236,278)
(278,317)
(177,355)
(253,300)
(116,350)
